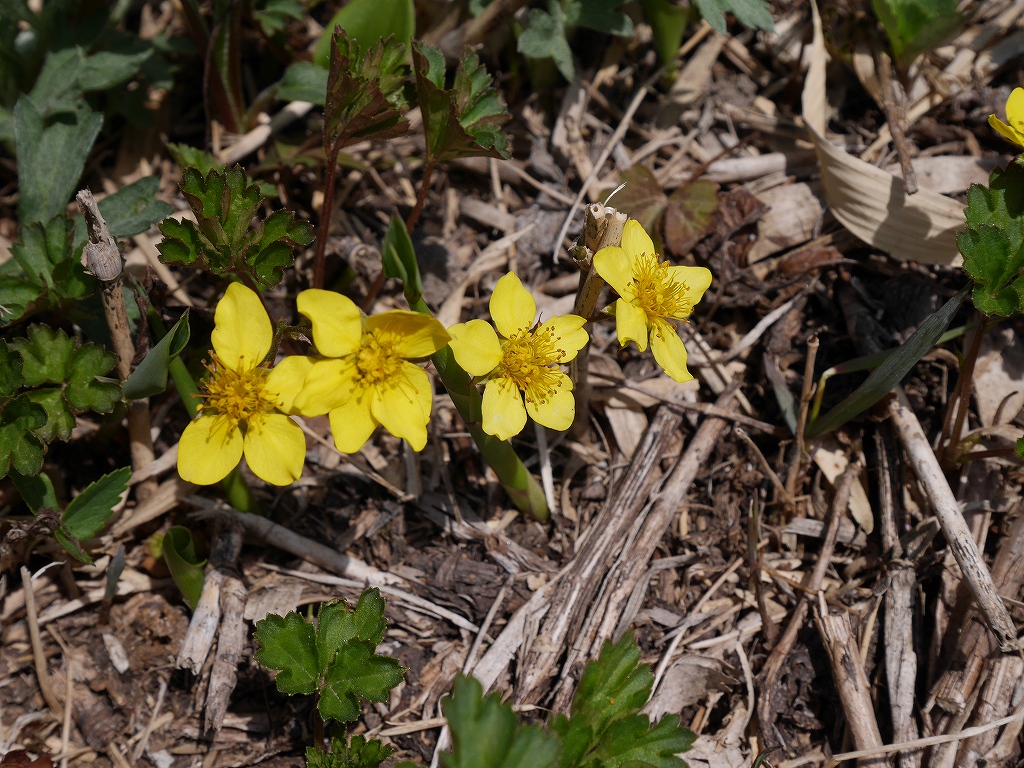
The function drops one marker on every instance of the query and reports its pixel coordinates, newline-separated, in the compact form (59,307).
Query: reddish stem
(325,220)
(428,171)
(964,397)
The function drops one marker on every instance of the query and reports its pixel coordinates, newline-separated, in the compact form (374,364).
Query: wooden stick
(42,671)
(951,520)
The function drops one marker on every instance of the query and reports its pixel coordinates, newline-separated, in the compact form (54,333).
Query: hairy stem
(325,219)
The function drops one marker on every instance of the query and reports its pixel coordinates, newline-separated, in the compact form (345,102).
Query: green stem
(521,486)
(235,488)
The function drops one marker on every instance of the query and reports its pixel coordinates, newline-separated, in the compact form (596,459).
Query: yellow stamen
(528,359)
(237,396)
(377,361)
(655,292)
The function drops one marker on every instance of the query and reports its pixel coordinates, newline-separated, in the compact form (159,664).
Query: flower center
(237,396)
(656,293)
(377,361)
(528,360)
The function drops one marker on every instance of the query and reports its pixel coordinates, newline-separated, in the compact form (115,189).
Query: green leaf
(336,625)
(689,215)
(288,643)
(603,16)
(179,552)
(18,298)
(916,26)
(302,81)
(150,377)
(50,157)
(631,743)
(11,379)
(486,732)
(357,672)
(36,491)
(359,753)
(366,22)
(41,248)
(668,23)
(364,92)
(89,511)
(755,14)
(186,156)
(20,449)
(399,259)
(85,391)
(275,15)
(613,687)
(223,241)
(132,210)
(464,121)
(545,37)
(46,355)
(995,265)
(60,421)
(886,376)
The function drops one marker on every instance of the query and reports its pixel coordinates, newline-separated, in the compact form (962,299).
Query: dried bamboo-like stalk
(850,679)
(230,643)
(951,520)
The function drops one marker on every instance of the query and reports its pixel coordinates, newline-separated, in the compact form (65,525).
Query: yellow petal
(1015,111)
(287,379)
(337,321)
(635,240)
(352,424)
(630,324)
(405,410)
(504,414)
(568,334)
(328,385)
(512,307)
(208,450)
(1006,131)
(558,410)
(243,333)
(615,266)
(696,279)
(476,347)
(275,449)
(669,351)
(417,335)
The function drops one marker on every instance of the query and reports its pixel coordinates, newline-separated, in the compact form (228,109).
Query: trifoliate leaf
(755,14)
(991,259)
(365,95)
(223,241)
(336,625)
(359,753)
(545,37)
(465,120)
(631,743)
(486,732)
(288,643)
(19,446)
(46,355)
(357,672)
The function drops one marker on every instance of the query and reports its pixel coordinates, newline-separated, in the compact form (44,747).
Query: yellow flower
(1014,115)
(524,358)
(244,402)
(366,379)
(652,293)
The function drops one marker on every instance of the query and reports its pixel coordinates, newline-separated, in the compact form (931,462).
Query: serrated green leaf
(359,753)
(689,215)
(367,22)
(46,355)
(18,297)
(60,421)
(179,552)
(632,743)
(886,376)
(192,157)
(19,446)
(302,81)
(613,687)
(545,37)
(150,377)
(755,14)
(182,243)
(288,643)
(399,260)
(274,245)
(464,121)
(11,379)
(50,157)
(364,92)
(85,391)
(357,672)
(89,511)
(336,625)
(916,26)
(486,732)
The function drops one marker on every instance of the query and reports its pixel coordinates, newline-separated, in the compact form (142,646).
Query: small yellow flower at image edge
(364,379)
(1013,128)
(652,293)
(245,404)
(520,361)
